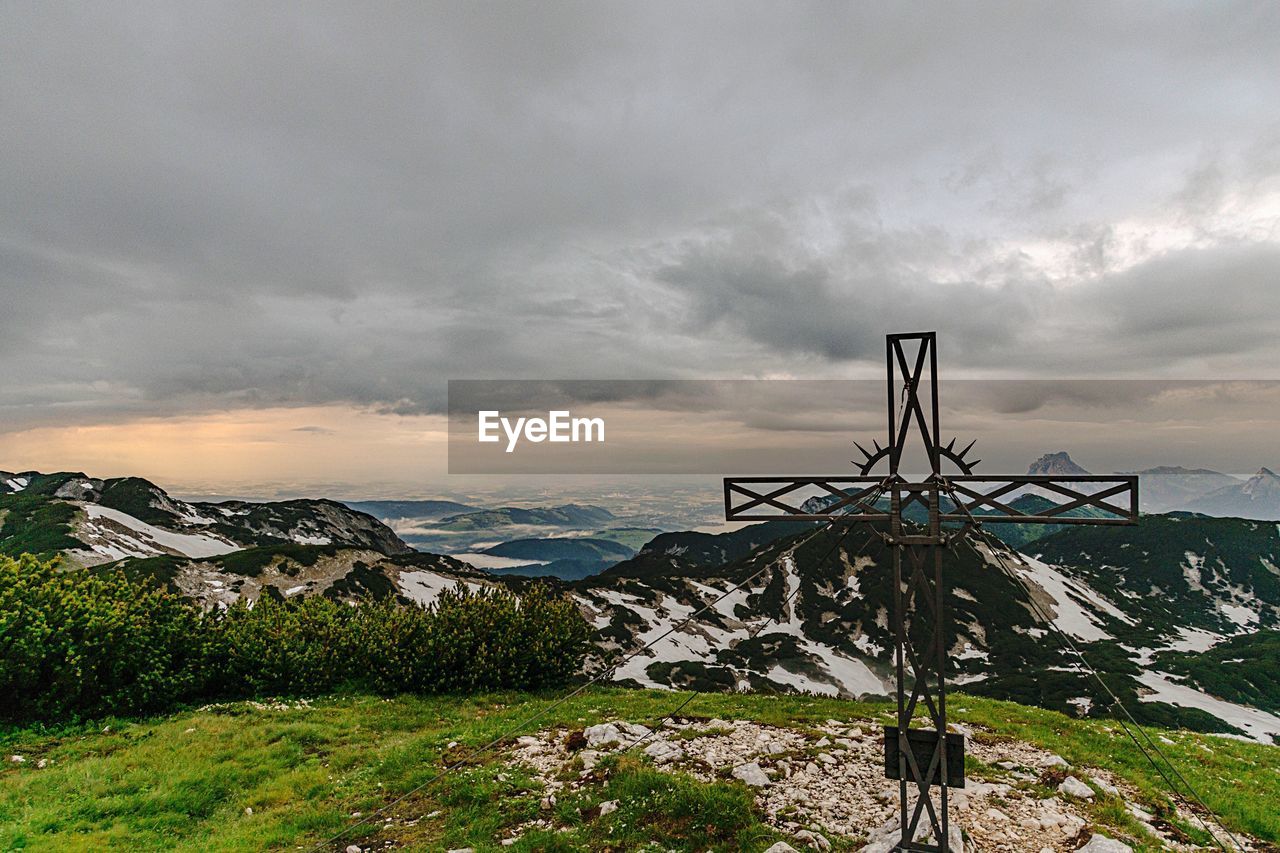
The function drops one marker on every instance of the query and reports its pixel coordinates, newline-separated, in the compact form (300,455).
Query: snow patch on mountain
(1068,597)
(1260,725)
(826,670)
(112,534)
(425,587)
(1245,617)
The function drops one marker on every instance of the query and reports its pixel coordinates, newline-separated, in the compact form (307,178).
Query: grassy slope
(35,524)
(183,782)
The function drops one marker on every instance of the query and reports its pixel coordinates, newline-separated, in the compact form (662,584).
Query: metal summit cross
(928,757)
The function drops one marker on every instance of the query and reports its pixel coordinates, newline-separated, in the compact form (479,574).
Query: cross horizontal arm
(1090,499)
(1063,500)
(802,498)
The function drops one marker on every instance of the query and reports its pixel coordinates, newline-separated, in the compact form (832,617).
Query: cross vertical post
(925,757)
(918,756)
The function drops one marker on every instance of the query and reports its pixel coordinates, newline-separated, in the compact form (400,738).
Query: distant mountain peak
(1055,464)
(1257,498)
(1265,482)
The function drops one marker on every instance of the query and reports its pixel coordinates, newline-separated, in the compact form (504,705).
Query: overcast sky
(265,235)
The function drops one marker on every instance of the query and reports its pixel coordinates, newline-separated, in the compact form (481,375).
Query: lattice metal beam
(761,498)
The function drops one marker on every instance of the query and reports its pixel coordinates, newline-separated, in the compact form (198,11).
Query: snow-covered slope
(93,521)
(823,627)
(111,535)
(1142,602)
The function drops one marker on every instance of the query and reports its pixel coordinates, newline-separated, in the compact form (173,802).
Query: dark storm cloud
(213,205)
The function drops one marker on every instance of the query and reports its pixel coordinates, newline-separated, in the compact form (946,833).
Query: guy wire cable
(755,632)
(997,552)
(483,749)
(1116,702)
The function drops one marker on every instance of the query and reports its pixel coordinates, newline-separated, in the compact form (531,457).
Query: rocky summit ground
(605,769)
(825,783)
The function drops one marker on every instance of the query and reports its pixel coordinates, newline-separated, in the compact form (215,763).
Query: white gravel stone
(664,751)
(813,839)
(1073,787)
(601,734)
(752,775)
(1105,786)
(1140,813)
(782,847)
(608,807)
(1102,844)
(843,800)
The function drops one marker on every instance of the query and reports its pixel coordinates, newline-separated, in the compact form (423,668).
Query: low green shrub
(75,644)
(485,639)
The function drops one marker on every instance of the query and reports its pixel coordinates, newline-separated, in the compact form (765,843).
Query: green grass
(251,562)
(183,782)
(134,495)
(35,524)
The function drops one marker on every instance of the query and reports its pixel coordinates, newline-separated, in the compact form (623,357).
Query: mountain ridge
(565,515)
(815,618)
(90,521)
(1170,488)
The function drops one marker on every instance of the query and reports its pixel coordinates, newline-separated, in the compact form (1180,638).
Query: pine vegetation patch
(76,644)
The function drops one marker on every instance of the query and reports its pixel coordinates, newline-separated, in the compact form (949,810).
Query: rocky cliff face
(1055,464)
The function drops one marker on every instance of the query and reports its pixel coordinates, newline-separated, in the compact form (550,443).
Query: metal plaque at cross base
(926,759)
